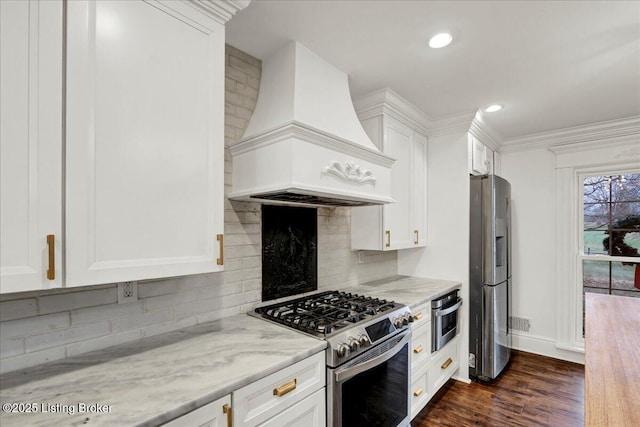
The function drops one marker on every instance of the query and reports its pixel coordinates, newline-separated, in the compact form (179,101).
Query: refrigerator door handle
(448,310)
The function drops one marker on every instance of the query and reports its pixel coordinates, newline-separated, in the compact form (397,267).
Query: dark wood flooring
(532,391)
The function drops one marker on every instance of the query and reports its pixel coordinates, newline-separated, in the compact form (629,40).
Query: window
(611,235)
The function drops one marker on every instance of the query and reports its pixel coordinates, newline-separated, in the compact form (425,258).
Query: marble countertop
(148,382)
(411,291)
(152,381)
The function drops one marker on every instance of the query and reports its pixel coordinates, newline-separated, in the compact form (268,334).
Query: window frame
(581,174)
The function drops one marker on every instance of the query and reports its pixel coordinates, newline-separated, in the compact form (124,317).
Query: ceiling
(552,64)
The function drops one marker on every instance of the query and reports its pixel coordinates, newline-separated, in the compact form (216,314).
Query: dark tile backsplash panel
(289,251)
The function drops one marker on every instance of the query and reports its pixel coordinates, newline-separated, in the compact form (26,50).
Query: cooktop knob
(363,340)
(397,322)
(343,350)
(353,344)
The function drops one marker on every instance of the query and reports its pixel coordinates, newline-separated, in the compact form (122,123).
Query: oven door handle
(351,371)
(449,310)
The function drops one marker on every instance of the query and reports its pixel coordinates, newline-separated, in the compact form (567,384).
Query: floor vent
(519,324)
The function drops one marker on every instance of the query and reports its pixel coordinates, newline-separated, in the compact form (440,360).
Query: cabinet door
(479,157)
(311,412)
(145,141)
(214,414)
(419,190)
(30,136)
(397,217)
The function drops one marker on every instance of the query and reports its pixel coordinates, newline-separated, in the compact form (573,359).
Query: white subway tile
(139,320)
(215,291)
(33,325)
(74,300)
(105,312)
(182,311)
(161,328)
(18,309)
(153,303)
(65,336)
(11,347)
(23,361)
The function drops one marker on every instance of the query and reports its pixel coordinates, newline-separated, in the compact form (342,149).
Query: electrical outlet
(127,292)
(360,257)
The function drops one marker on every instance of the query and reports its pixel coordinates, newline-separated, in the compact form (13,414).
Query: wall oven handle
(351,371)
(449,310)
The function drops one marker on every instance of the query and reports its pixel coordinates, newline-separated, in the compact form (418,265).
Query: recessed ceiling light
(440,40)
(493,108)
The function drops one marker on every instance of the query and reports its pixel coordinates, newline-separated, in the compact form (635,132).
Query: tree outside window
(611,229)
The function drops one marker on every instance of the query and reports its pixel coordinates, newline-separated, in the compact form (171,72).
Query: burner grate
(325,313)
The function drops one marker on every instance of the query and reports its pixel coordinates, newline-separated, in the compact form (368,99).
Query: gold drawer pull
(388,233)
(415,242)
(446,364)
(418,349)
(417,316)
(226,409)
(51,272)
(418,392)
(220,238)
(285,388)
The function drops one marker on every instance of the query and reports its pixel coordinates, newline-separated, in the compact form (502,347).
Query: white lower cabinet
(214,414)
(310,412)
(294,396)
(429,371)
(260,401)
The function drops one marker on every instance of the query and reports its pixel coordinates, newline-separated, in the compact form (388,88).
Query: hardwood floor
(533,391)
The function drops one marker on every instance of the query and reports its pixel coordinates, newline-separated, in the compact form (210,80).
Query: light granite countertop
(152,381)
(411,291)
(149,382)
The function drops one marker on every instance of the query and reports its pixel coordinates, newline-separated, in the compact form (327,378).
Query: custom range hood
(304,144)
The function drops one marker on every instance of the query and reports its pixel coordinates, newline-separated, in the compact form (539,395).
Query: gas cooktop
(326,313)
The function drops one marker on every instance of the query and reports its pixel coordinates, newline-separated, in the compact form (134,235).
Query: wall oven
(372,389)
(444,319)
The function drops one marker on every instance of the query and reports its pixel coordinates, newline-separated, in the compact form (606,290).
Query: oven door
(445,325)
(372,389)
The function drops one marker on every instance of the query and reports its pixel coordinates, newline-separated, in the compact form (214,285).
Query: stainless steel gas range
(368,359)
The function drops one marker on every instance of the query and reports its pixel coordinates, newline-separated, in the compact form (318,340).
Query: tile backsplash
(41,326)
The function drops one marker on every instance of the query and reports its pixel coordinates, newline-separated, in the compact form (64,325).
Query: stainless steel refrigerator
(489,276)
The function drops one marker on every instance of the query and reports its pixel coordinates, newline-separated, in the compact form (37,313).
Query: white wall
(446,255)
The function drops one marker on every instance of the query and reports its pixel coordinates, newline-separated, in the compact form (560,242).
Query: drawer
(421,315)
(210,415)
(269,396)
(310,412)
(420,346)
(444,363)
(420,390)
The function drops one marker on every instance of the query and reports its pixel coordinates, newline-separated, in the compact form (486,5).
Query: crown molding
(628,127)
(306,133)
(487,134)
(387,102)
(456,123)
(220,10)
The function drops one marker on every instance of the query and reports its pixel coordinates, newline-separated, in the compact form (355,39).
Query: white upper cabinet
(402,224)
(143,140)
(31,144)
(480,157)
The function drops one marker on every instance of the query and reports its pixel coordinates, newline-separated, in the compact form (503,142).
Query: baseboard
(545,347)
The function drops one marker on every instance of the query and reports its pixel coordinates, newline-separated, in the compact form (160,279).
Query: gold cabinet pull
(285,388)
(418,392)
(417,316)
(220,238)
(388,233)
(446,364)
(418,349)
(51,272)
(415,242)
(226,409)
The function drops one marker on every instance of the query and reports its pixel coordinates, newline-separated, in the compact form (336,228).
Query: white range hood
(304,144)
